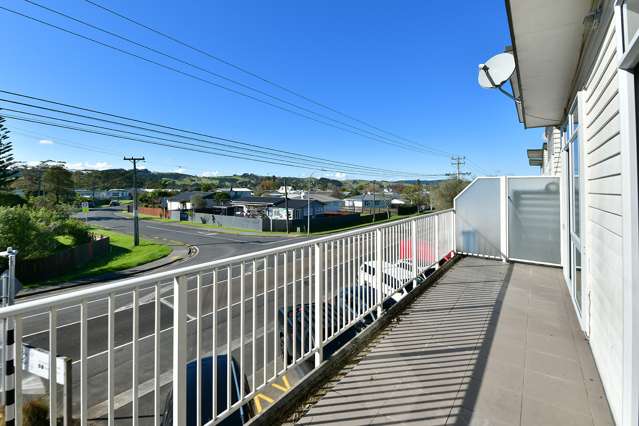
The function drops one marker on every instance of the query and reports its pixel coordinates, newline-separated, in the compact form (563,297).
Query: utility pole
(308,209)
(136,228)
(373,201)
(286,203)
(458,162)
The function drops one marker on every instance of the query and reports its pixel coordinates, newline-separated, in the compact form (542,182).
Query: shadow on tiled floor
(489,344)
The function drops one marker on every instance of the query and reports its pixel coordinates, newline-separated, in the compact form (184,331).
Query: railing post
(319,305)
(179,350)
(413,247)
(437,257)
(453,231)
(378,271)
(503,217)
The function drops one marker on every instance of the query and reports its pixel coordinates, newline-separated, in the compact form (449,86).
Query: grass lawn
(123,256)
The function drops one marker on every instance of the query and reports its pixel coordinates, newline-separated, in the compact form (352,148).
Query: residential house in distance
(331,204)
(365,202)
(236,193)
(275,207)
(182,201)
(109,194)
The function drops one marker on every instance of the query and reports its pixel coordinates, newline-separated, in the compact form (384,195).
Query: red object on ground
(424,251)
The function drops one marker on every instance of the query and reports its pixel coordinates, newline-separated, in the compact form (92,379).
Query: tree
(58,183)
(221,197)
(30,181)
(21,229)
(414,195)
(207,186)
(443,194)
(8,172)
(197,202)
(265,185)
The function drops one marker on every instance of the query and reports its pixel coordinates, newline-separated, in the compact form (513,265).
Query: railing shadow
(428,367)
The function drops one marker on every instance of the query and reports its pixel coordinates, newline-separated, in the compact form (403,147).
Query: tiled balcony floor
(489,344)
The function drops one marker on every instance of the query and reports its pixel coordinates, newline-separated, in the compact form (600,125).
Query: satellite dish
(496,71)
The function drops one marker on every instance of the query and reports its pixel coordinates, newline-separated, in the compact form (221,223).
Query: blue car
(239,417)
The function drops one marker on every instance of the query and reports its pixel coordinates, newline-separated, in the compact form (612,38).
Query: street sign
(36,362)
(85,210)
(18,284)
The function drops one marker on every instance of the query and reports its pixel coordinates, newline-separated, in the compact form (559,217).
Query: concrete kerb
(300,394)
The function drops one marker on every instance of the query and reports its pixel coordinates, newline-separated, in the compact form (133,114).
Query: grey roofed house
(273,201)
(186,195)
(257,201)
(319,196)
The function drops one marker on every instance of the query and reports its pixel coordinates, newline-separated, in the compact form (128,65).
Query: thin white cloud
(46,142)
(180,170)
(210,173)
(32,163)
(100,165)
(336,175)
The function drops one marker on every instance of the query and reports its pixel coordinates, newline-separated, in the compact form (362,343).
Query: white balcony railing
(219,334)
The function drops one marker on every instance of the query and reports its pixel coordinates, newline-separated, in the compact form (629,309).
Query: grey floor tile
(475,351)
(538,413)
(554,391)
(554,365)
(552,345)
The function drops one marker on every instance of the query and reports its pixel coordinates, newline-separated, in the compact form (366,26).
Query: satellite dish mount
(496,72)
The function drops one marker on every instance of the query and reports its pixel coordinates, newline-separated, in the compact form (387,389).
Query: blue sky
(409,67)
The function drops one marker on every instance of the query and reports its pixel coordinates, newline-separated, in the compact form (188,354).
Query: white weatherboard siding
(603,224)
(554,150)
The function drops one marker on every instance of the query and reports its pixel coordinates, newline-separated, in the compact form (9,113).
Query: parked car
(395,276)
(300,314)
(114,203)
(359,298)
(239,417)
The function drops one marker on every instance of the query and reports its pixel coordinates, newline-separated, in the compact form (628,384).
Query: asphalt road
(211,246)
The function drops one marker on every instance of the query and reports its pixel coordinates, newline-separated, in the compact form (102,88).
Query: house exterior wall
(601,160)
(552,155)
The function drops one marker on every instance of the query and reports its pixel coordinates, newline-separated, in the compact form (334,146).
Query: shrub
(9,199)
(76,229)
(35,413)
(21,230)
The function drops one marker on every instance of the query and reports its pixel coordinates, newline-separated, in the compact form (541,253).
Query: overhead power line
(232,144)
(349,128)
(166,127)
(398,141)
(83,147)
(234,152)
(261,151)
(250,73)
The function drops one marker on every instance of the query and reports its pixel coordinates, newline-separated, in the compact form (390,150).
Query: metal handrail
(321,269)
(121,286)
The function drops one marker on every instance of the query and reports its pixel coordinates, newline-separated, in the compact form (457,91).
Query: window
(576,183)
(574,190)
(630,20)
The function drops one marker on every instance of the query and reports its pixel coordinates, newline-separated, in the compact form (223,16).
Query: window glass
(575,120)
(631,12)
(578,278)
(575,186)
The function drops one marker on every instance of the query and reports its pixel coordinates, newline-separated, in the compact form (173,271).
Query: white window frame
(630,219)
(569,136)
